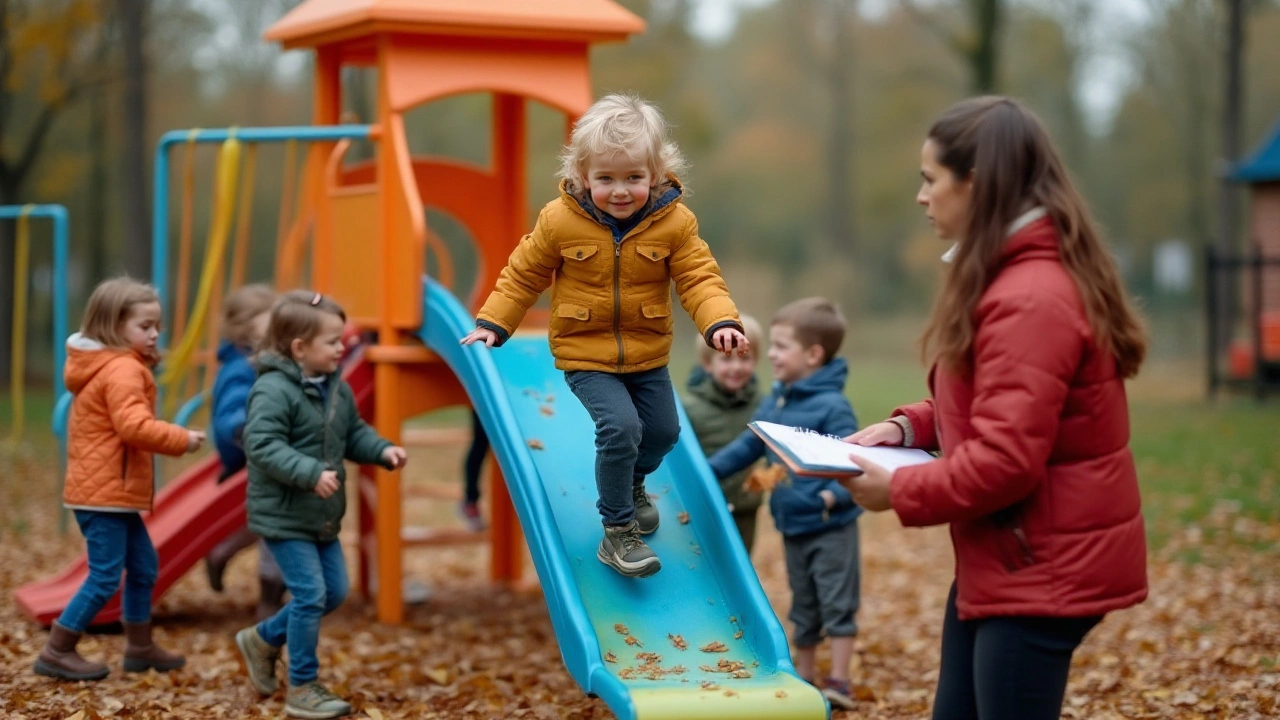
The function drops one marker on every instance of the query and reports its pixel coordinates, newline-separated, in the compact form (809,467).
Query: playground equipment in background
(368,247)
(1254,361)
(21,276)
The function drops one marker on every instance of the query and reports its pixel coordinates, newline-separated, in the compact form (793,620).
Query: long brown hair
(1004,149)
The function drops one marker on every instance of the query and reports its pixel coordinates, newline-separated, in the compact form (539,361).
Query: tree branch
(949,37)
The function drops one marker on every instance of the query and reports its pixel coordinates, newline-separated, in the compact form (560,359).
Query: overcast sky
(1103,81)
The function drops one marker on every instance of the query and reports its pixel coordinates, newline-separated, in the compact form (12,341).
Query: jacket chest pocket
(585,263)
(649,264)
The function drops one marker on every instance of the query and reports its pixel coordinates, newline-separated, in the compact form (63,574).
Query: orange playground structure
(370,238)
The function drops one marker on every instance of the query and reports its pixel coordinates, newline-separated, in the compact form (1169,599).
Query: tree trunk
(840,145)
(137,219)
(95,226)
(8,196)
(1229,199)
(984,55)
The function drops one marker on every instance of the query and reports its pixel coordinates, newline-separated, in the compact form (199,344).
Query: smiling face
(790,358)
(945,198)
(141,328)
(322,353)
(619,183)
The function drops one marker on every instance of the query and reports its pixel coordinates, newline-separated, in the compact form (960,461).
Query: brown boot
(59,658)
(142,654)
(215,563)
(271,597)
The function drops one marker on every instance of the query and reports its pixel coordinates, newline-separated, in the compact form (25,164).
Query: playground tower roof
(1264,164)
(324,22)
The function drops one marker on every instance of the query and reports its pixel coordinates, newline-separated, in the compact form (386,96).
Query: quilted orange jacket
(611,301)
(113,430)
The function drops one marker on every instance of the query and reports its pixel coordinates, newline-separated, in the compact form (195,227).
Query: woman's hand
(871,488)
(728,340)
(882,433)
(484,335)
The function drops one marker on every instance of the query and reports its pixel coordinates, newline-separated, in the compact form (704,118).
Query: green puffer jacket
(296,430)
(717,418)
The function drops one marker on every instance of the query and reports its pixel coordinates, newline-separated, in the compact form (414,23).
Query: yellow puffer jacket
(611,303)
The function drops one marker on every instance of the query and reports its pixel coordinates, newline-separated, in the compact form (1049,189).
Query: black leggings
(1005,668)
(475,458)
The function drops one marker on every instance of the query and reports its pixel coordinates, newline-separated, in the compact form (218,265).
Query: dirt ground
(1204,646)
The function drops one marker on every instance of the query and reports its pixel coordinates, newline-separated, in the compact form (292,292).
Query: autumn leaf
(714,647)
(678,641)
(621,629)
(683,517)
(610,657)
(535,444)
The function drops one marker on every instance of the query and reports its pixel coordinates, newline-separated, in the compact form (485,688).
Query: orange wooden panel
(557,75)
(356,272)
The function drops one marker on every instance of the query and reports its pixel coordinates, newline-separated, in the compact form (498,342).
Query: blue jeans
(316,576)
(115,542)
(636,426)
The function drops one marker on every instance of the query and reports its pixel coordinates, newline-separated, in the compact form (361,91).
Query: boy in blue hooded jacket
(817,517)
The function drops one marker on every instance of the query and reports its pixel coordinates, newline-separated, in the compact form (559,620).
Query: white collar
(1019,223)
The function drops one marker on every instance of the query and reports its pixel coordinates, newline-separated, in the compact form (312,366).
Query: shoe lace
(639,495)
(630,541)
(317,693)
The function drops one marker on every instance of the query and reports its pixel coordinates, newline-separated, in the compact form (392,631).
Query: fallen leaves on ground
(1206,644)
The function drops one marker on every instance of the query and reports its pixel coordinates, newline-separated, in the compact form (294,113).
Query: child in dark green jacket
(302,423)
(721,399)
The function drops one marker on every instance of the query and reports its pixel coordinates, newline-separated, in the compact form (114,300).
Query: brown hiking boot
(59,658)
(142,654)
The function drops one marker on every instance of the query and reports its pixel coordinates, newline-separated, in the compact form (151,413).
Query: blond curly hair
(620,123)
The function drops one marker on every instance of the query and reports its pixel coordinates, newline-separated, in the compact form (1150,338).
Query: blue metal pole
(61,252)
(160,229)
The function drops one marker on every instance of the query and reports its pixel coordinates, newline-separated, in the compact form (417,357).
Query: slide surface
(192,513)
(706,592)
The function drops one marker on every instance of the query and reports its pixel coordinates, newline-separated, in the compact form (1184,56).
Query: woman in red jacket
(1031,340)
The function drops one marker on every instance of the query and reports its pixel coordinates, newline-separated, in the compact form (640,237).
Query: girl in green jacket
(302,423)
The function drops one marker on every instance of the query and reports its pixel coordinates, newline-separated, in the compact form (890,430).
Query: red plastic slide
(192,514)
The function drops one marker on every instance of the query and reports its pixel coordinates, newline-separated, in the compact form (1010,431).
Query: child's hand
(881,433)
(484,335)
(728,340)
(395,456)
(195,438)
(828,498)
(327,484)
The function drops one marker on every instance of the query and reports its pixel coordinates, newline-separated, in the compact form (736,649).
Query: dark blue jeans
(316,575)
(115,542)
(636,426)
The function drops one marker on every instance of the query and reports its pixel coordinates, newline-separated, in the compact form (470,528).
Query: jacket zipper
(617,302)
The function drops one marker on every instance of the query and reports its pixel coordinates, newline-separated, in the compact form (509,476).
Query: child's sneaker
(646,511)
(470,514)
(839,694)
(259,660)
(624,551)
(315,702)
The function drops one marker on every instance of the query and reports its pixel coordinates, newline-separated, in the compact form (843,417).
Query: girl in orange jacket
(615,240)
(111,436)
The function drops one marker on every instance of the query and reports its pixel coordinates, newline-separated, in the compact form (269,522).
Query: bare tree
(47,52)
(137,218)
(976,38)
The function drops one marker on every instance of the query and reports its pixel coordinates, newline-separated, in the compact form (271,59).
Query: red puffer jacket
(1036,477)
